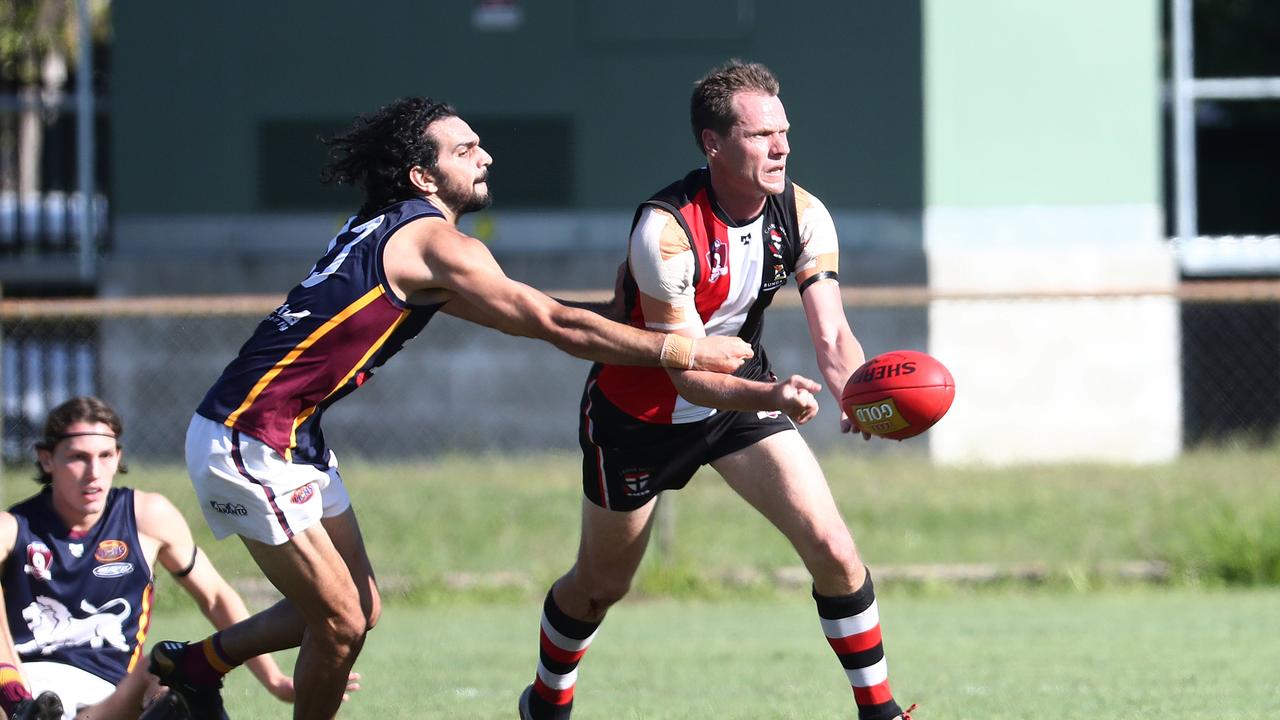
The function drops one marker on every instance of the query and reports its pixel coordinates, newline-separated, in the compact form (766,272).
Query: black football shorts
(626,462)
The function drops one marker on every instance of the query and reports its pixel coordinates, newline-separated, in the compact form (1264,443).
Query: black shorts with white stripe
(626,462)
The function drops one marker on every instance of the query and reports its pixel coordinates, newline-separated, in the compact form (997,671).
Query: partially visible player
(255,450)
(707,254)
(79,561)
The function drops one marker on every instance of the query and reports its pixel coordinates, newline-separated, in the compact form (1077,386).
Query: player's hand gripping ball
(898,394)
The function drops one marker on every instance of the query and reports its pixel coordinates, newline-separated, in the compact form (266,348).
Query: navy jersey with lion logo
(323,342)
(82,600)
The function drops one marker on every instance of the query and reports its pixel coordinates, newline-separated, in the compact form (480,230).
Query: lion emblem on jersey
(52,626)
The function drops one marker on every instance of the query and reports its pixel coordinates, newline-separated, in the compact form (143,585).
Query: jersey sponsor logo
(53,627)
(112,570)
(110,551)
(229,508)
(303,494)
(718,260)
(39,561)
(775,238)
(284,317)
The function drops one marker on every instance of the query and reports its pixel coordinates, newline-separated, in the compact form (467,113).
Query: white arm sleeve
(661,262)
(820,248)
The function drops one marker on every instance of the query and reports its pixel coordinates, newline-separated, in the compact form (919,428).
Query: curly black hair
(380,149)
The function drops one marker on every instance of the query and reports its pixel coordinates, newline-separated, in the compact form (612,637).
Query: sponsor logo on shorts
(111,570)
(768,414)
(110,551)
(229,508)
(303,494)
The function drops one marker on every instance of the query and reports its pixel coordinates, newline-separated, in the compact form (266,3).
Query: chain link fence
(462,388)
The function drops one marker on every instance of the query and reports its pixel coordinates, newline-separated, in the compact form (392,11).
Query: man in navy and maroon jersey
(255,450)
(79,578)
(707,253)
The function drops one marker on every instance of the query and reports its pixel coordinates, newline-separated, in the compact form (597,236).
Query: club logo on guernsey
(39,561)
(111,551)
(718,259)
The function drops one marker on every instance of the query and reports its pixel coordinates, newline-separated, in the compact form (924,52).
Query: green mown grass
(1214,516)
(689,644)
(1175,654)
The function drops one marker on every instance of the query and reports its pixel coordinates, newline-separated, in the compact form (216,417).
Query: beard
(464,198)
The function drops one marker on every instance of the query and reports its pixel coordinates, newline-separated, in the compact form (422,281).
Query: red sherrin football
(898,394)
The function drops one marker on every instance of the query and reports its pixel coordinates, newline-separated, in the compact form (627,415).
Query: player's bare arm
(793,396)
(8,535)
(170,545)
(838,352)
(614,308)
(452,261)
(661,261)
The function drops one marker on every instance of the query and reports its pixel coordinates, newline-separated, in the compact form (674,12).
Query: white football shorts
(76,688)
(246,488)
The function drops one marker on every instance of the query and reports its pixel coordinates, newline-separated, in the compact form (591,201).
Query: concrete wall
(1042,174)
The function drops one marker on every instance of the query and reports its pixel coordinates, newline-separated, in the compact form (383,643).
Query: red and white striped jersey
(690,267)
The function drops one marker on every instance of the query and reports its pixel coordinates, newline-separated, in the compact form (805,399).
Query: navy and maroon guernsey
(81,600)
(737,271)
(322,343)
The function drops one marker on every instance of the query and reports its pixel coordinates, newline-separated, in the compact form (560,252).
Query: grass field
(466,546)
(513,521)
(1173,654)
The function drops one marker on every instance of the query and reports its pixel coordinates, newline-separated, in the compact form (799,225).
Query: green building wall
(202,93)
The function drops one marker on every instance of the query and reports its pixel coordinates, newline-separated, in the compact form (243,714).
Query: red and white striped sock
(852,626)
(563,642)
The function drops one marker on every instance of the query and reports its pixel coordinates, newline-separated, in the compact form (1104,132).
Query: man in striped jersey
(707,253)
(255,450)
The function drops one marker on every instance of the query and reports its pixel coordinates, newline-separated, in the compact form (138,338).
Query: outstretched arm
(839,352)
(484,294)
(613,308)
(662,263)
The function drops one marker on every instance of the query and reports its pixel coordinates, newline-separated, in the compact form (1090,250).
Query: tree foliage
(31,30)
